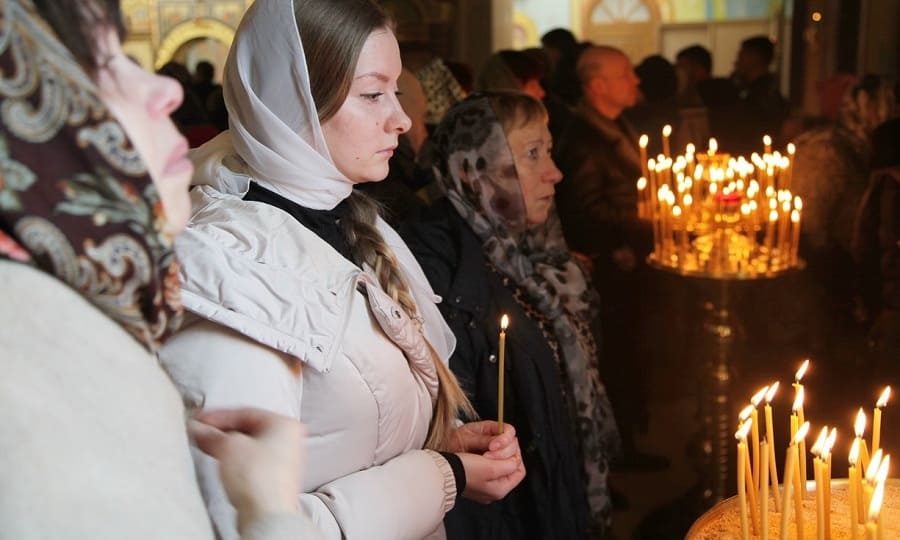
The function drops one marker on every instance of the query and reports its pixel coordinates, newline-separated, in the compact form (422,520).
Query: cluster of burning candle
(718,214)
(867,476)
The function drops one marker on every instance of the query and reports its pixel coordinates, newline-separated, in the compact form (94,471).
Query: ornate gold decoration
(190,30)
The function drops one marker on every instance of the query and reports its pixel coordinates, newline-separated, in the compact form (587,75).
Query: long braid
(368,247)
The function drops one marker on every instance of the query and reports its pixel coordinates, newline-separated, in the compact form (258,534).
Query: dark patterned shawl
(476,167)
(75,197)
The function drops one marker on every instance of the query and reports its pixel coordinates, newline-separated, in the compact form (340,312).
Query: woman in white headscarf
(306,303)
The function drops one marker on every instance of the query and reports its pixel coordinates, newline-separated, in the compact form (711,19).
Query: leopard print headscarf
(75,197)
(477,170)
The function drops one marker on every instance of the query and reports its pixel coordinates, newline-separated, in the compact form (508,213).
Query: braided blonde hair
(333,33)
(369,248)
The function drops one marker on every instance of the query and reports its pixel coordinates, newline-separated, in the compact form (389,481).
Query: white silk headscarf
(275,139)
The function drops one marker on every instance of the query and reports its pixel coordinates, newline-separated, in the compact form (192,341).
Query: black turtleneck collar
(325,223)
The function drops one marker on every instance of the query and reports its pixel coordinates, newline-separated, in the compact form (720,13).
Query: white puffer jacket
(287,324)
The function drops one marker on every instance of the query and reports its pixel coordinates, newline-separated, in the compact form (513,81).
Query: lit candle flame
(859,427)
(798,203)
(770,395)
(688,200)
(875,504)
(642,184)
(818,447)
(713,145)
(504,322)
(872,469)
(798,400)
(854,453)
(766,140)
(885,394)
(791,148)
(773,216)
(801,433)
(643,141)
(832,438)
(758,397)
(802,370)
(884,468)
(745,413)
(667,130)
(741,433)
(676,211)
(829,442)
(651,164)
(690,149)
(795,216)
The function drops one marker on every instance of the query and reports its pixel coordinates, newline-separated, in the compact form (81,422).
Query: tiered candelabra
(718,216)
(723,219)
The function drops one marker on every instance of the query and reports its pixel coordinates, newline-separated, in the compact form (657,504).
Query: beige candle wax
(504,323)
(642,144)
(767,144)
(764,495)
(853,480)
(754,432)
(770,436)
(741,436)
(876,420)
(801,371)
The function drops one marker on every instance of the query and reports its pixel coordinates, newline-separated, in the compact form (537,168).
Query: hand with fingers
(260,456)
(493,462)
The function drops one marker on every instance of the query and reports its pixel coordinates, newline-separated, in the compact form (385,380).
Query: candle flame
(786,206)
(770,394)
(651,164)
(688,200)
(745,413)
(798,400)
(713,145)
(504,322)
(832,438)
(773,216)
(818,447)
(801,433)
(741,433)
(676,211)
(872,469)
(883,469)
(859,427)
(642,184)
(885,394)
(798,203)
(791,148)
(802,370)
(758,397)
(690,149)
(766,140)
(643,141)
(667,130)
(795,216)
(854,452)
(875,504)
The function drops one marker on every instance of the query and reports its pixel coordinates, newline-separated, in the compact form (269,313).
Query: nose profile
(554,175)
(402,122)
(166,95)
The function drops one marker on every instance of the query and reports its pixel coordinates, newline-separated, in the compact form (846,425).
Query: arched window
(620,11)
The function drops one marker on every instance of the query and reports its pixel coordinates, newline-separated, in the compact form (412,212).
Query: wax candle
(801,371)
(882,476)
(853,480)
(871,477)
(504,324)
(789,485)
(798,488)
(770,436)
(642,144)
(818,475)
(666,133)
(874,513)
(876,421)
(741,436)
(764,495)
(642,195)
(788,178)
(754,431)
(826,482)
(859,428)
(795,236)
(713,146)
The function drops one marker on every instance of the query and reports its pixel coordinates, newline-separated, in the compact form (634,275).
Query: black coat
(550,501)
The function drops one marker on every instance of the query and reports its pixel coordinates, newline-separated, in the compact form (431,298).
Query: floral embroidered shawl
(75,197)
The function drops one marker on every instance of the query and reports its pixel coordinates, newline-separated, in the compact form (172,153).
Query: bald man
(597,204)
